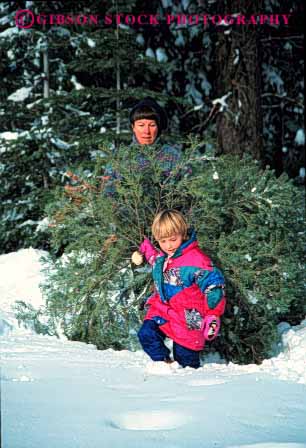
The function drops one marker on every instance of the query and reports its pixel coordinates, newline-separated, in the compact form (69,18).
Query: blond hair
(167,223)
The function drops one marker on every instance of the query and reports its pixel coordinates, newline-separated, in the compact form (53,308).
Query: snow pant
(152,340)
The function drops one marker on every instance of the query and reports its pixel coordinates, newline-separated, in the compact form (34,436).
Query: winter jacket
(188,288)
(168,157)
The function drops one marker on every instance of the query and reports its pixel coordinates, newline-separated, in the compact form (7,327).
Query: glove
(146,246)
(148,250)
(211,327)
(137,258)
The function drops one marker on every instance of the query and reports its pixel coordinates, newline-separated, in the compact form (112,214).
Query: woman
(148,120)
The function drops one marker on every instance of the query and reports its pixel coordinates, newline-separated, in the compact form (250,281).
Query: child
(189,293)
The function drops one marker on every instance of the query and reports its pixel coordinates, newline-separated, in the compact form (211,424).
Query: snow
(237,57)
(222,101)
(140,39)
(166,3)
(76,84)
(252,297)
(20,94)
(273,78)
(300,137)
(192,91)
(11,55)
(198,107)
(81,113)
(9,32)
(205,84)
(179,41)
(43,225)
(4,20)
(26,287)
(9,135)
(273,445)
(185,4)
(150,53)
(60,144)
(161,55)
(302,172)
(31,105)
(44,120)
(91,43)
(61,393)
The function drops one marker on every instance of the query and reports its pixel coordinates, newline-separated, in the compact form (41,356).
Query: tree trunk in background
(239,124)
(46,74)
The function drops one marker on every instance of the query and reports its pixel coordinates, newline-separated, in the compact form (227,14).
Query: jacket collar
(186,245)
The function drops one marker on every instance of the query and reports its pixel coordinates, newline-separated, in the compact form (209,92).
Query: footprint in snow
(23,379)
(149,421)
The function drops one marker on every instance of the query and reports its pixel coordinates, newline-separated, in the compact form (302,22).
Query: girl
(189,293)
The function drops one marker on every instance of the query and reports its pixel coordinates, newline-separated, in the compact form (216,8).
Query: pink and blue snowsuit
(189,292)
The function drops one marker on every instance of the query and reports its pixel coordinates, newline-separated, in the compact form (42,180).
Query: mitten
(210,327)
(148,250)
(137,258)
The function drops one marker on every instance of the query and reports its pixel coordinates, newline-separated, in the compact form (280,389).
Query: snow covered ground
(56,393)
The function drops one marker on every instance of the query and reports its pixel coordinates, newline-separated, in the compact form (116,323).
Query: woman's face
(145,131)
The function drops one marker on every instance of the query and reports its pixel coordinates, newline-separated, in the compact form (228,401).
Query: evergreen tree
(63,92)
(109,218)
(248,221)
(253,222)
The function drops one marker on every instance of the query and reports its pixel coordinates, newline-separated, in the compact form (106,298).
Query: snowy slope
(57,393)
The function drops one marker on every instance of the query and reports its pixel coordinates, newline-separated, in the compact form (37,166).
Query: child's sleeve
(212,285)
(149,251)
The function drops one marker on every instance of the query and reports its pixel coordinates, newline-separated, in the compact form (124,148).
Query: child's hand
(211,326)
(137,258)
(146,246)
(148,250)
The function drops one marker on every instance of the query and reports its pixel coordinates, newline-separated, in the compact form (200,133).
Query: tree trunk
(46,66)
(239,123)
(118,85)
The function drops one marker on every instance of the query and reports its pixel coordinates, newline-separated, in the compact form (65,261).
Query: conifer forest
(230,75)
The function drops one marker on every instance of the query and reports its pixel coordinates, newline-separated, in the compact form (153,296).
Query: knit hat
(150,109)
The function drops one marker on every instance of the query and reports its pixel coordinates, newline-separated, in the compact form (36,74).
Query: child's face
(170,244)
